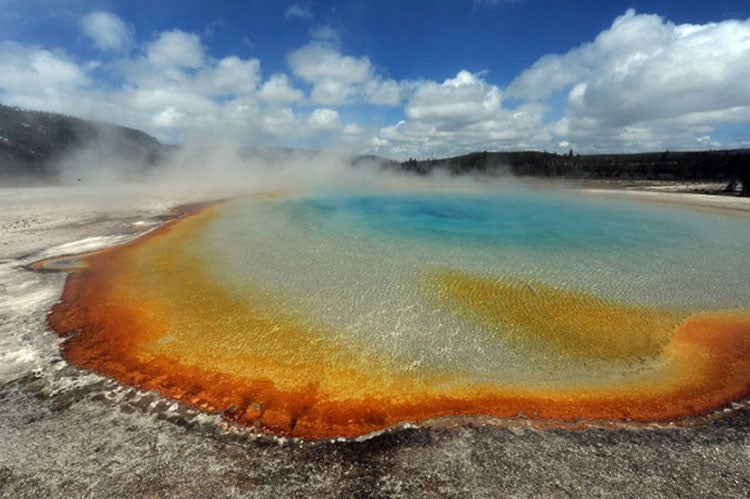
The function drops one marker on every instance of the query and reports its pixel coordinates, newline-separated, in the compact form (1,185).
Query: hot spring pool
(340,314)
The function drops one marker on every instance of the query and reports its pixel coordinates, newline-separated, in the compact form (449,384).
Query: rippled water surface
(357,262)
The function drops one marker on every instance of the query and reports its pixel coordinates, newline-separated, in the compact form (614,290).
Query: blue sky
(397,78)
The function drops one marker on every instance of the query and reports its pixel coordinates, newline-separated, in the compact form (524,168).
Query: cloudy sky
(399,78)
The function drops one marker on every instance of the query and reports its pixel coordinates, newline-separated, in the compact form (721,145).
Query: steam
(225,167)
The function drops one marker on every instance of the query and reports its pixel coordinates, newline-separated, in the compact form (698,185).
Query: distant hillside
(371,159)
(32,143)
(732,166)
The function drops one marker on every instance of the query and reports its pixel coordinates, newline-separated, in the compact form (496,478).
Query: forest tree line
(731,166)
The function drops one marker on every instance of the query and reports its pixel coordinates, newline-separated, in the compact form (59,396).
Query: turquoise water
(508,219)
(658,254)
(356,262)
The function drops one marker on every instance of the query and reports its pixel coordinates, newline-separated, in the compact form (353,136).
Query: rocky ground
(79,444)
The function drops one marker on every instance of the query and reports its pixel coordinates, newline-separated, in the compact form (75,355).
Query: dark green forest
(730,166)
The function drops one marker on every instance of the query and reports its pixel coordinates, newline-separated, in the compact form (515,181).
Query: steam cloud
(225,167)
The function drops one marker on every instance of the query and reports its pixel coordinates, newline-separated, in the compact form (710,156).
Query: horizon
(365,154)
(494,75)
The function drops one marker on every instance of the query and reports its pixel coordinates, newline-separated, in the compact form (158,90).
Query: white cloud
(646,79)
(173,90)
(169,117)
(231,76)
(460,114)
(36,77)
(299,10)
(644,83)
(282,122)
(278,89)
(318,62)
(382,92)
(340,79)
(352,129)
(176,48)
(324,119)
(223,77)
(106,30)
(333,93)
(465,98)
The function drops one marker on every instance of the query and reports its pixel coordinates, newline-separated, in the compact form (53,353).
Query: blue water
(506,219)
